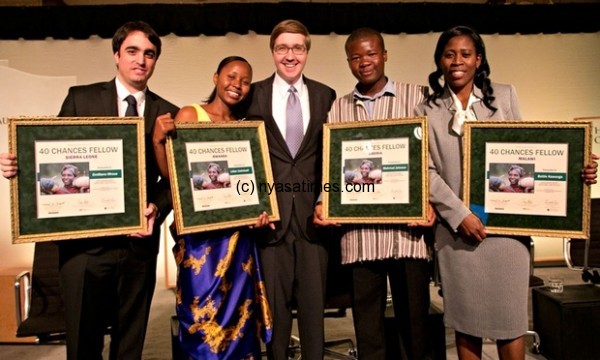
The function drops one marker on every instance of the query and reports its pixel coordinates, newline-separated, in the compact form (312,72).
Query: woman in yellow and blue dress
(221,301)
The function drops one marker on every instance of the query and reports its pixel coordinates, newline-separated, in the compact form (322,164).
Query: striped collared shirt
(375,242)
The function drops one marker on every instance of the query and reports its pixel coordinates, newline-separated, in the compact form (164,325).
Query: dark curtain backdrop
(80,22)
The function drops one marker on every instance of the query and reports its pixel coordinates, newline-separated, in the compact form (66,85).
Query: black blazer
(305,168)
(100,99)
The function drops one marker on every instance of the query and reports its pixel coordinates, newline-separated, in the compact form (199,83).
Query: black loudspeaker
(569,322)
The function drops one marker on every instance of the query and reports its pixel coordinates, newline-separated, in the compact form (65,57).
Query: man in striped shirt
(378,252)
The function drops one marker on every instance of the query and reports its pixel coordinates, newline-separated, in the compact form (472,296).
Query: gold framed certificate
(219,172)
(375,171)
(524,177)
(78,177)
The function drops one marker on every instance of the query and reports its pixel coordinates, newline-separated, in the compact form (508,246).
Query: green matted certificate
(78,177)
(375,171)
(217,170)
(524,177)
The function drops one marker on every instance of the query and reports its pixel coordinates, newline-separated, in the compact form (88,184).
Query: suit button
(294,164)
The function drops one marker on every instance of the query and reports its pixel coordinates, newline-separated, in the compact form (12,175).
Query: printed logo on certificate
(375,171)
(79,178)
(214,166)
(527,178)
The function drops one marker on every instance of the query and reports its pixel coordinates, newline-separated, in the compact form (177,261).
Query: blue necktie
(294,126)
(131,107)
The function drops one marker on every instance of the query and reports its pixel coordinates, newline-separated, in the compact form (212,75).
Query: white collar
(122,92)
(282,86)
(457,104)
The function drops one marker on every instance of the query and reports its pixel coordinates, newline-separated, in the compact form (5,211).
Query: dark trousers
(409,283)
(294,270)
(109,285)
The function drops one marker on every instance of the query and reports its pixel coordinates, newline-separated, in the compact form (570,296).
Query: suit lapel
(109,99)
(448,102)
(150,111)
(265,91)
(447,110)
(479,108)
(313,124)
(109,102)
(481,111)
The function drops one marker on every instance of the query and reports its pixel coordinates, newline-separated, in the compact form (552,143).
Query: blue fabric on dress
(221,301)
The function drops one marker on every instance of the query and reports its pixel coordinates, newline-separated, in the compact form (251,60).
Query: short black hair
(131,26)
(364,32)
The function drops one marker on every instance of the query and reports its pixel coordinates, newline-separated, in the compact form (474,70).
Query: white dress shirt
(280,97)
(122,93)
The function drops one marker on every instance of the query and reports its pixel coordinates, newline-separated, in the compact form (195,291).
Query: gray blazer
(445,148)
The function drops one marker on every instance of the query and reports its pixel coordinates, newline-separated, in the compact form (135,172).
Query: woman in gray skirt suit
(484,279)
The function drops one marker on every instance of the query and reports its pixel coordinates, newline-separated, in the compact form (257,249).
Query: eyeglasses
(283,49)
